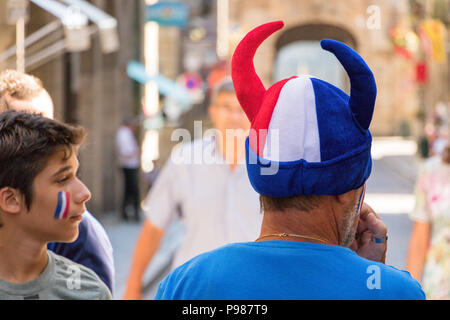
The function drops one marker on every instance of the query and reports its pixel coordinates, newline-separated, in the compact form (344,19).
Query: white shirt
(127,148)
(219,206)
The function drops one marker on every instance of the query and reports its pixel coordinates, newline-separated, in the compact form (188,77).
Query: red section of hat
(249,88)
(262,120)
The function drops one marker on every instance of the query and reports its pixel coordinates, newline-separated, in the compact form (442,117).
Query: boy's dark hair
(27,141)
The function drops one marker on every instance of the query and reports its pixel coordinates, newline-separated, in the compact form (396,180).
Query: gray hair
(225,85)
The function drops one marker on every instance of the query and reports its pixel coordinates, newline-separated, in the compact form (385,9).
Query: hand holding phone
(370,226)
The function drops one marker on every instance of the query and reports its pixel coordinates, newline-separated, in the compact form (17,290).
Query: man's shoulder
(77,279)
(401,284)
(202,270)
(389,281)
(224,255)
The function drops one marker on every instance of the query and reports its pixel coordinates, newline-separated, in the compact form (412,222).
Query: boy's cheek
(44,205)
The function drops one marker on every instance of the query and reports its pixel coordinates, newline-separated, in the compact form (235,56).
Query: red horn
(249,88)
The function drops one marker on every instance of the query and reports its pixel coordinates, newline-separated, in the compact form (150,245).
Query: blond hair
(17,85)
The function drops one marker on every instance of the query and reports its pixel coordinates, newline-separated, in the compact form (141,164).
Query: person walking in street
(429,249)
(129,161)
(308,156)
(217,203)
(92,248)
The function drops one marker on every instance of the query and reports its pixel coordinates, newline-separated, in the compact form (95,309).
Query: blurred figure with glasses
(211,194)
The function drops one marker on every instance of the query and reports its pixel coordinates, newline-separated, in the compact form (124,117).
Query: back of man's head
(27,141)
(300,202)
(21,91)
(314,137)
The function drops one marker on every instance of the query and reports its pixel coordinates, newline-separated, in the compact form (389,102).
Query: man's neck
(21,258)
(314,226)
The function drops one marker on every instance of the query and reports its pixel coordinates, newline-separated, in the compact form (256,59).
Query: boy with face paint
(41,201)
(92,249)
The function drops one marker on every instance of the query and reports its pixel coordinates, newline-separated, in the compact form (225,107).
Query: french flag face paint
(361,199)
(62,209)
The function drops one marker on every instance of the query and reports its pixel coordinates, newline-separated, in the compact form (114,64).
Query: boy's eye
(67,178)
(63,180)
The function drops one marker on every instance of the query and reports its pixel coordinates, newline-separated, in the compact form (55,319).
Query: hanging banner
(167,13)
(421,73)
(405,40)
(434,31)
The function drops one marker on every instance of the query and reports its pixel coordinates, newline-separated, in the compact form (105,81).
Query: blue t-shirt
(291,270)
(92,249)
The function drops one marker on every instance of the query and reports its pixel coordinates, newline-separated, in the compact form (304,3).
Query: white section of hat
(293,132)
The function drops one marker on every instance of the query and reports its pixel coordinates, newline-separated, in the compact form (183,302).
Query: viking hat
(313,136)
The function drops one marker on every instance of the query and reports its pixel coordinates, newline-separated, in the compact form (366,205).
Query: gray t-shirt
(61,279)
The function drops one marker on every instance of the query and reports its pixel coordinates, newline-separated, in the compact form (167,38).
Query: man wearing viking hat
(318,239)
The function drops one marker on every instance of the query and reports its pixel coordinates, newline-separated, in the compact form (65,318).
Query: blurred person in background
(437,133)
(92,248)
(129,161)
(218,205)
(440,142)
(429,248)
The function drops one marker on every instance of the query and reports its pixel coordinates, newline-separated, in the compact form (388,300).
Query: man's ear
(10,200)
(348,197)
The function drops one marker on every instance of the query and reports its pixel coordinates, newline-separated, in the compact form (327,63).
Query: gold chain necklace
(284,235)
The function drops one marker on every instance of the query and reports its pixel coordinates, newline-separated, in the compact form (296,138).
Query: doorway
(299,52)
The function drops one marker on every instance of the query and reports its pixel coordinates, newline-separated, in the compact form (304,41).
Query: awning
(73,17)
